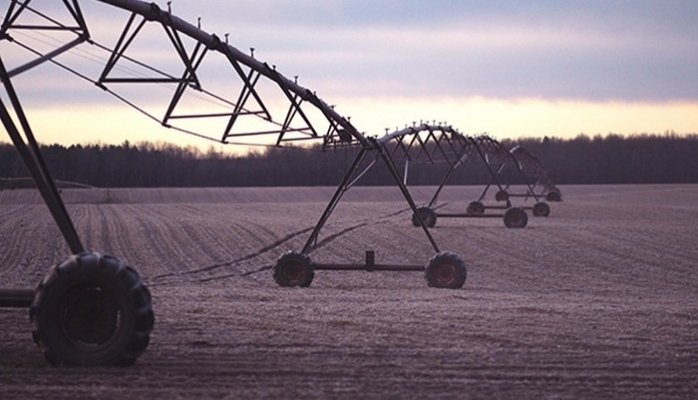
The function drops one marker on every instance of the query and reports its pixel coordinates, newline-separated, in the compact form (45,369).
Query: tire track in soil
(113,229)
(86,226)
(93,228)
(33,243)
(185,232)
(238,232)
(261,251)
(154,237)
(118,237)
(105,225)
(16,228)
(244,258)
(211,244)
(179,243)
(13,240)
(11,211)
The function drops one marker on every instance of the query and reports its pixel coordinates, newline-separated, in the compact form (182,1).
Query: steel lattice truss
(440,144)
(498,159)
(531,166)
(258,101)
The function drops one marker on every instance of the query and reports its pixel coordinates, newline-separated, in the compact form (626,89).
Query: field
(598,300)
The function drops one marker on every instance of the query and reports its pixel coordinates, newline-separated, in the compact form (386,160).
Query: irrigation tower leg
(31,155)
(341,189)
(390,163)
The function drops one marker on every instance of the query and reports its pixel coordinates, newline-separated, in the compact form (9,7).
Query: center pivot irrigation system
(458,150)
(93,309)
(530,166)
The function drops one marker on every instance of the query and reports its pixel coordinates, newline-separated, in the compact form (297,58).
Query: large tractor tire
(515,217)
(294,269)
(92,310)
(554,196)
(541,209)
(502,195)
(475,208)
(445,270)
(426,214)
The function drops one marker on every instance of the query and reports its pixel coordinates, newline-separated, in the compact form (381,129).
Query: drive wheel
(426,214)
(292,269)
(515,218)
(541,210)
(502,195)
(445,270)
(475,208)
(554,196)
(92,310)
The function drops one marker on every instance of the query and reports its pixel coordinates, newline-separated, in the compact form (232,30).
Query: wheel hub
(293,271)
(445,273)
(90,315)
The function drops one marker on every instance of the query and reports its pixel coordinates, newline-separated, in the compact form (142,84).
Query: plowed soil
(599,300)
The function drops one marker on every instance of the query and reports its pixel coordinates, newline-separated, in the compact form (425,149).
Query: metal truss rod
(341,189)
(249,80)
(524,158)
(16,298)
(445,179)
(11,16)
(295,107)
(47,57)
(490,182)
(76,12)
(485,159)
(390,163)
(508,158)
(193,64)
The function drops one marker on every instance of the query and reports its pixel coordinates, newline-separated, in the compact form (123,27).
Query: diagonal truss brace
(128,35)
(504,158)
(17,8)
(353,174)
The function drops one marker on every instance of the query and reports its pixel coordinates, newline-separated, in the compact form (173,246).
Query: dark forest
(611,159)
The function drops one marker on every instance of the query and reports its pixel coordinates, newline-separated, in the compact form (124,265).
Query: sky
(509,68)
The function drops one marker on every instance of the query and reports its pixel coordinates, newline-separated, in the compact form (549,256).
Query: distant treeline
(611,159)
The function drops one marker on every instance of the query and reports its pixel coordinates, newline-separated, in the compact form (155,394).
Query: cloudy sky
(509,68)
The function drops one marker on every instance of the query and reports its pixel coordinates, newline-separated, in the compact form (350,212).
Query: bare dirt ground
(600,300)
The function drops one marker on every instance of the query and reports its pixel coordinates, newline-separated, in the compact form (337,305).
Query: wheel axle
(16,298)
